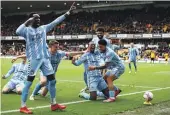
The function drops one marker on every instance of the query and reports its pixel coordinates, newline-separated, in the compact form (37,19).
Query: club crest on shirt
(107,57)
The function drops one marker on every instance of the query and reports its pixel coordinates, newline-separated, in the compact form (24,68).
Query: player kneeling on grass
(56,56)
(115,68)
(16,83)
(95,80)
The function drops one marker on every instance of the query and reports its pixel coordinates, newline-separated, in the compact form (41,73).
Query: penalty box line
(75,102)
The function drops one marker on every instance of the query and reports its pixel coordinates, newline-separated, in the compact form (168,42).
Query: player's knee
(30,78)
(51,77)
(43,82)
(93,98)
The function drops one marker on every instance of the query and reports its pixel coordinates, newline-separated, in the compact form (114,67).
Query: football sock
(25,93)
(111,94)
(52,90)
(37,88)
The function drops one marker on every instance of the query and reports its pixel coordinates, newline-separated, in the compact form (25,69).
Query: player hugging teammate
(93,68)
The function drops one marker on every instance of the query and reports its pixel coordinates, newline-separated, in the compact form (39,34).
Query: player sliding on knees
(56,56)
(38,56)
(95,80)
(115,68)
(16,83)
(100,32)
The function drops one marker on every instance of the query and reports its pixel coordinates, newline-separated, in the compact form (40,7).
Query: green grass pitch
(70,82)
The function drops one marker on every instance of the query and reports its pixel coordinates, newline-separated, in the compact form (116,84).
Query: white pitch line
(74,102)
(115,84)
(143,91)
(39,107)
(132,85)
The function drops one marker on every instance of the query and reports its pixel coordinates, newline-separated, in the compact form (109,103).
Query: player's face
(102,48)
(36,22)
(100,34)
(92,48)
(132,45)
(54,48)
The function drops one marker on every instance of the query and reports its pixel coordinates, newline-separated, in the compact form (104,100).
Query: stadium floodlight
(18,8)
(30,5)
(48,6)
(78,4)
(65,3)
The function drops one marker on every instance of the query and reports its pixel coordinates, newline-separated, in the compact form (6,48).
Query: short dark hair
(31,14)
(102,42)
(52,42)
(100,29)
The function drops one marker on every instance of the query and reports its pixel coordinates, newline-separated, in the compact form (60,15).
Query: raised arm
(21,30)
(20,56)
(51,25)
(74,53)
(79,61)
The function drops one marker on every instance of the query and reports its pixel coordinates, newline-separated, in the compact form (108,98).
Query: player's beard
(100,37)
(92,51)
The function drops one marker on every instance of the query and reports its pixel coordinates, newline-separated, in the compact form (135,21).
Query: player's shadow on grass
(60,111)
(11,92)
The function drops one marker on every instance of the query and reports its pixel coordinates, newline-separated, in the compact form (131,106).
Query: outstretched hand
(3,76)
(29,21)
(73,59)
(73,7)
(13,60)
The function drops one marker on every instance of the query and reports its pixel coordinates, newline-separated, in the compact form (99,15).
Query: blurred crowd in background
(146,20)
(15,48)
(129,21)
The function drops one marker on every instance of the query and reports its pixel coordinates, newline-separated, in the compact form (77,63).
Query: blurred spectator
(149,20)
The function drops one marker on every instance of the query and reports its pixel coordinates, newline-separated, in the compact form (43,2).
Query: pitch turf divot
(68,103)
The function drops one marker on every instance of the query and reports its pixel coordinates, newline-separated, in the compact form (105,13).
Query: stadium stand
(146,20)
